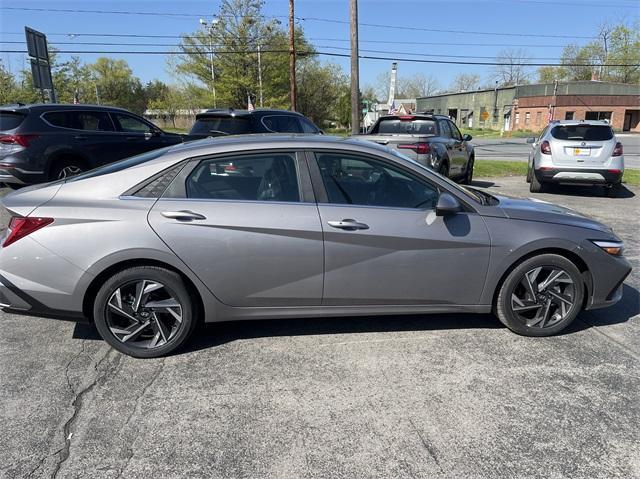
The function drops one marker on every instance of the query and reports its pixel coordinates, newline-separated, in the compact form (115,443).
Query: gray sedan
(292,226)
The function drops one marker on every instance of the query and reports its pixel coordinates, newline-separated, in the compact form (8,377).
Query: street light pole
(209,27)
(355,78)
(292,57)
(260,74)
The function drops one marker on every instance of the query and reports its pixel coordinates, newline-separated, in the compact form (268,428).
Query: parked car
(147,247)
(224,122)
(432,140)
(46,142)
(576,151)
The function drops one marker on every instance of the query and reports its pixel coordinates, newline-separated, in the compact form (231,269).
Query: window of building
(517,118)
(568,115)
(527,118)
(598,115)
(538,117)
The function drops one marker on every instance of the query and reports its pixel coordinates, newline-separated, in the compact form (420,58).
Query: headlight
(614,248)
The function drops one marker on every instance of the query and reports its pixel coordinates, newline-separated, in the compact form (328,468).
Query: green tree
(170,102)
(116,84)
(8,86)
(549,74)
(318,90)
(234,38)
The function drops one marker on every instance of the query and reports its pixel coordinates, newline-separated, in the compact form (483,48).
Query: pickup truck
(432,140)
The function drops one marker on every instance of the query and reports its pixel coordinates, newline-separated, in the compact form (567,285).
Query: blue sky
(542,19)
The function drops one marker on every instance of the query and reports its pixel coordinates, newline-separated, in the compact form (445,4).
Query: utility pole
(355,77)
(260,74)
(292,56)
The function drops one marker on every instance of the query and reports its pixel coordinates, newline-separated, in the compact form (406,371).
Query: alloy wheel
(543,297)
(144,314)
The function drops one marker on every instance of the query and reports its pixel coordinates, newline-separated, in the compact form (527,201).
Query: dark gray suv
(46,142)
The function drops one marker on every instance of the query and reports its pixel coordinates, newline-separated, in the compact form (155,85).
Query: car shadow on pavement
(575,190)
(210,335)
(483,184)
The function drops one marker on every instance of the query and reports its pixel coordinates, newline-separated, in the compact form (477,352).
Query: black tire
(536,186)
(444,169)
(66,168)
(468,176)
(528,175)
(172,284)
(510,287)
(613,190)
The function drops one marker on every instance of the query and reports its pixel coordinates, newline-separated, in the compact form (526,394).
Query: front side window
(80,120)
(131,124)
(445,131)
(454,131)
(259,177)
(307,126)
(282,124)
(355,180)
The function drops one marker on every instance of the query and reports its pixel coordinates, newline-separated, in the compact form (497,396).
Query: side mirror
(467,137)
(531,141)
(447,205)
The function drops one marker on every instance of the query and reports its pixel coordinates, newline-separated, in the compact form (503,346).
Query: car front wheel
(541,296)
(145,312)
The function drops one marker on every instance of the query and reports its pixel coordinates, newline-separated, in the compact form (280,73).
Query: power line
(344,40)
(332,54)
(305,19)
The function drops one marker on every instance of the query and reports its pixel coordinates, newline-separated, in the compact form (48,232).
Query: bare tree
(511,69)
(465,82)
(420,85)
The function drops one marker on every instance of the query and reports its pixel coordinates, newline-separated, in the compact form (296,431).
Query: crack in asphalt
(76,403)
(430,449)
(130,451)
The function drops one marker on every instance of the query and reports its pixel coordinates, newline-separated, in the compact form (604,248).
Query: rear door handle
(183,215)
(348,224)
(80,137)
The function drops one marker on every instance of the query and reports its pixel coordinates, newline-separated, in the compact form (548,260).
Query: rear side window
(266,177)
(411,127)
(282,124)
(80,120)
(582,132)
(223,125)
(10,120)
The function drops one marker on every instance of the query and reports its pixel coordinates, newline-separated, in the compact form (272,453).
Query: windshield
(478,197)
(582,132)
(221,125)
(122,164)
(408,127)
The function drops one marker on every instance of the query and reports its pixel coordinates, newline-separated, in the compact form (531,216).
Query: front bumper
(577,175)
(606,278)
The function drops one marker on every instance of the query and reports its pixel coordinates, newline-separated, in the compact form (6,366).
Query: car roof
(272,140)
(234,112)
(580,122)
(40,107)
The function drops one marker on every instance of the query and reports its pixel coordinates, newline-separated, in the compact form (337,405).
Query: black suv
(240,122)
(52,141)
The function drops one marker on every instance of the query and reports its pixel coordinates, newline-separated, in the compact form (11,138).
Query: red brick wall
(537,107)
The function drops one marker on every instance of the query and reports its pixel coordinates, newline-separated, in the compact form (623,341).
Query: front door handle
(348,224)
(80,137)
(183,215)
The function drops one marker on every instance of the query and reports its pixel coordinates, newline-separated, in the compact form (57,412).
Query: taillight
(22,140)
(545,148)
(406,117)
(230,167)
(420,148)
(20,227)
(617,151)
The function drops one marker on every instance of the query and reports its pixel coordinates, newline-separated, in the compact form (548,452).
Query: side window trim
(320,190)
(177,188)
(43,117)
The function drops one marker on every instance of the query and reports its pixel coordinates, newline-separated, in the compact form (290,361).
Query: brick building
(530,107)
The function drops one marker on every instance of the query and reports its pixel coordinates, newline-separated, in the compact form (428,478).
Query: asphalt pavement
(444,396)
(517,149)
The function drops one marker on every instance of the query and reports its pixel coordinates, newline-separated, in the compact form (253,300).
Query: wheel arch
(568,254)
(100,278)
(62,155)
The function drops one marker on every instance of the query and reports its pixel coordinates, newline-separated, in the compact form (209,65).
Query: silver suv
(576,151)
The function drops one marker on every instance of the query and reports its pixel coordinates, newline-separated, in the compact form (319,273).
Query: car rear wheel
(145,312)
(541,296)
(536,186)
(66,169)
(444,169)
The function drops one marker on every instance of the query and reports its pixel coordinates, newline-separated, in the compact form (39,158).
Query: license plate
(581,151)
